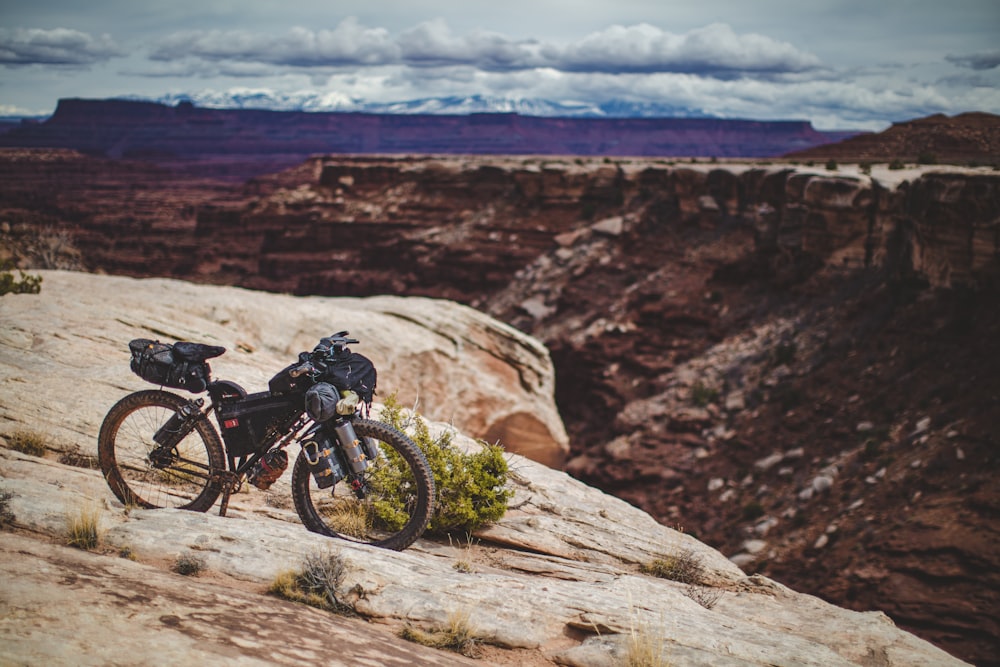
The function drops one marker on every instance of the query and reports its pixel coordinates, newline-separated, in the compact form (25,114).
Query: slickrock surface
(556,581)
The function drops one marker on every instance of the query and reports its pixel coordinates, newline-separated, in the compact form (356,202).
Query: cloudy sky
(839,63)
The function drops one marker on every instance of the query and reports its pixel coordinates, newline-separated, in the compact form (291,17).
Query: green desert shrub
(23,284)
(702,395)
(471,488)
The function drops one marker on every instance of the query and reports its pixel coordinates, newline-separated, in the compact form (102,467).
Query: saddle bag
(180,366)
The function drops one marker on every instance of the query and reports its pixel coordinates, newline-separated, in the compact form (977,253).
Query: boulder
(67,348)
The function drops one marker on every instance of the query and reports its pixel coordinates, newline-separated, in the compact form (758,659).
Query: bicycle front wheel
(389,505)
(144,473)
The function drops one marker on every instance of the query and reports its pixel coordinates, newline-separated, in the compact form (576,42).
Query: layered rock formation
(962,139)
(556,581)
(751,351)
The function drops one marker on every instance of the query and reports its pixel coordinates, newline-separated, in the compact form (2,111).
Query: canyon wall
(795,364)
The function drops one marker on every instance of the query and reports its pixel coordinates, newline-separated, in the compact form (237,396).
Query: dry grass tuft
(315,584)
(457,634)
(6,514)
(685,567)
(83,529)
(27,442)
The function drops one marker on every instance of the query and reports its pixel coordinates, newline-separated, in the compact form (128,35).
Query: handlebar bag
(350,370)
(158,363)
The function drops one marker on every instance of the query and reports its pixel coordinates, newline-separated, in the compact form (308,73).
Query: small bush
(315,584)
(831,165)
(189,565)
(927,158)
(471,489)
(6,514)
(684,567)
(127,553)
(896,165)
(705,596)
(27,284)
(702,395)
(82,529)
(27,442)
(457,634)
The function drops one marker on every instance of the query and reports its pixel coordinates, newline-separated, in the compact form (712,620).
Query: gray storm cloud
(59,46)
(715,50)
(977,61)
(348,44)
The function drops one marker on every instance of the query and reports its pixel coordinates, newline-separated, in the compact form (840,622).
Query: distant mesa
(125,128)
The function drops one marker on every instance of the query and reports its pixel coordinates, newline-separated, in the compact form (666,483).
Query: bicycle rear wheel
(142,472)
(395,501)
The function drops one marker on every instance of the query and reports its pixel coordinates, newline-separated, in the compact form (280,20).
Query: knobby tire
(126,441)
(338,512)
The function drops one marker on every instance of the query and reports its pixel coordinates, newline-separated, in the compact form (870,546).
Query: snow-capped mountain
(457,105)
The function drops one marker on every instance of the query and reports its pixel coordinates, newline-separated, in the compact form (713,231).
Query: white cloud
(349,43)
(431,44)
(58,46)
(712,51)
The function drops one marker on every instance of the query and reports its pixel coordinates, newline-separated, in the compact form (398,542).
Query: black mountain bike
(354,478)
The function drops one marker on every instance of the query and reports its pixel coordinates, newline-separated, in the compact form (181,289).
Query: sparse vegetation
(471,489)
(78,460)
(457,634)
(27,442)
(188,564)
(927,158)
(706,596)
(752,510)
(316,584)
(127,553)
(702,395)
(463,563)
(24,284)
(644,647)
(831,165)
(6,514)
(684,567)
(896,165)
(83,529)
